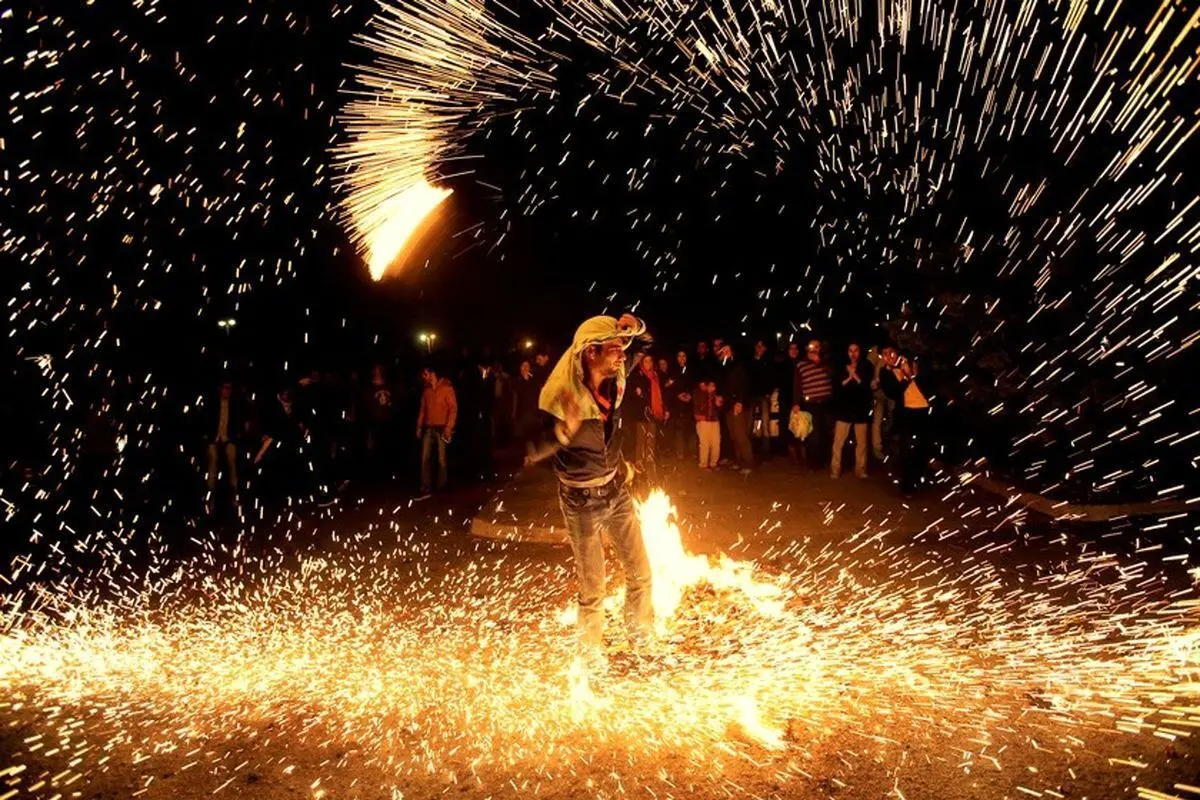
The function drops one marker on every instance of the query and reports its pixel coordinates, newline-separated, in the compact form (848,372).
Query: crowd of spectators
(714,405)
(458,418)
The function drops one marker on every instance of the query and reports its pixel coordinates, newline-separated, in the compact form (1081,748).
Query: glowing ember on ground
(464,675)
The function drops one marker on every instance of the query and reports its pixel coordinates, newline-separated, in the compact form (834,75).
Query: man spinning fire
(583,435)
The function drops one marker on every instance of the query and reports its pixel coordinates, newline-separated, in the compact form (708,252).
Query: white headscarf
(567,374)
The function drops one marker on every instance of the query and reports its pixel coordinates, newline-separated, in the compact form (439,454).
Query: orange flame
(674,570)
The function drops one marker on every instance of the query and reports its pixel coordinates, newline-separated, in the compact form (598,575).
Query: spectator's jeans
(912,427)
(608,509)
(709,434)
(763,404)
(881,422)
(817,444)
(229,451)
(841,430)
(433,439)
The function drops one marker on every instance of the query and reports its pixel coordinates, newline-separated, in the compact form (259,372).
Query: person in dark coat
(735,387)
(476,392)
(763,382)
(224,422)
(903,382)
(282,455)
(853,401)
(541,367)
(680,389)
(379,410)
(525,390)
(704,365)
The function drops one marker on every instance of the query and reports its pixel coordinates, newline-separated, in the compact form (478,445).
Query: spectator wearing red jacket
(435,425)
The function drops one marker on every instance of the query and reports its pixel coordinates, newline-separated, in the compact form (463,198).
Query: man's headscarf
(568,375)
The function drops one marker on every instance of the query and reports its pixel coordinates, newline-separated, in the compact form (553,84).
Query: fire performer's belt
(597,487)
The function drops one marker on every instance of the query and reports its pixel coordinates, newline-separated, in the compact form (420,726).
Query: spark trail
(1017,151)
(465,676)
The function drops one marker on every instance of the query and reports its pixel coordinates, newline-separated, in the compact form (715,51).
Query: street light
(428,339)
(529,344)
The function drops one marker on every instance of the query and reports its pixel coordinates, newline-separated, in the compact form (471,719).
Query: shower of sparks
(437,67)
(467,677)
(1022,150)
(155,171)
(137,161)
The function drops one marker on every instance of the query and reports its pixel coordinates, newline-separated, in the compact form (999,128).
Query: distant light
(529,344)
(226,323)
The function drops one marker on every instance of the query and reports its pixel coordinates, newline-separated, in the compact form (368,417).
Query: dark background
(165,167)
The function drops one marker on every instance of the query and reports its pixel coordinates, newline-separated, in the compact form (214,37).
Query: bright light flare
(749,723)
(402,216)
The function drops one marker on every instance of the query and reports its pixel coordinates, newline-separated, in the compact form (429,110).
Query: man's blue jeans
(588,514)
(431,441)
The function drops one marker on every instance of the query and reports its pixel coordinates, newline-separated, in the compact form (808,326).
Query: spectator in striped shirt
(812,391)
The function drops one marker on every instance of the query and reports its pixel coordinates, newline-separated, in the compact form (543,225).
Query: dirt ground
(394,574)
